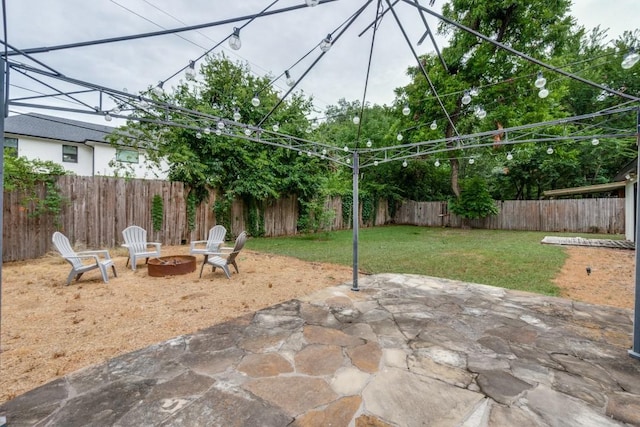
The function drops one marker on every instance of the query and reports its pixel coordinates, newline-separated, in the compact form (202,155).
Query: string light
(220,125)
(326,43)
(276,127)
(312,3)
(550,150)
(236,115)
(207,131)
(540,81)
(480,112)
(247,131)
(399,137)
(404,164)
(107,117)
(369,143)
(288,79)
(437,163)
(472,161)
(356,119)
(406,110)
(234,41)
(595,141)
(466,99)
(630,59)
(434,125)
(198,135)
(255,101)
(543,93)
(190,72)
(158,90)
(346,149)
(509,156)
(375,163)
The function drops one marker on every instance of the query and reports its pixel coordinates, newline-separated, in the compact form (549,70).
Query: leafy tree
(503,81)
(474,201)
(236,167)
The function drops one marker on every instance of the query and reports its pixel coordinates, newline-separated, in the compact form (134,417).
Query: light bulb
(220,125)
(207,131)
(406,110)
(158,90)
(255,101)
(198,135)
(299,153)
(480,113)
(116,109)
(190,72)
(601,97)
(234,41)
(356,120)
(312,3)
(630,59)
(325,44)
(509,156)
(595,141)
(550,150)
(289,80)
(472,161)
(369,143)
(434,125)
(324,151)
(405,164)
(540,81)
(348,161)
(375,163)
(247,131)
(218,132)
(309,153)
(437,163)
(236,116)
(276,127)
(473,92)
(346,149)
(544,92)
(399,137)
(107,117)
(466,99)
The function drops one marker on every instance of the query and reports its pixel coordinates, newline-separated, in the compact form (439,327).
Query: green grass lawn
(509,259)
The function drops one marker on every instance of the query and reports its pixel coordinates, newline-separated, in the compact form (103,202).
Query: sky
(270,44)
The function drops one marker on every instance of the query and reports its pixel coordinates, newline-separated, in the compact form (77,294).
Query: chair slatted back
(62,244)
(240,241)
(216,235)
(136,238)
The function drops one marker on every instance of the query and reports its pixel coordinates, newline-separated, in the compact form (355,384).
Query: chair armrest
(197,242)
(79,256)
(97,253)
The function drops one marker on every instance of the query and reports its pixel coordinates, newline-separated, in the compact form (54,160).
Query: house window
(127,156)
(11,147)
(70,154)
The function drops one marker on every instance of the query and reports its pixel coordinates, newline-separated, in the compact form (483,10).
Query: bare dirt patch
(49,329)
(611,281)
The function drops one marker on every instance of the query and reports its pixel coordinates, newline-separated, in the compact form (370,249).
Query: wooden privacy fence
(565,215)
(99,208)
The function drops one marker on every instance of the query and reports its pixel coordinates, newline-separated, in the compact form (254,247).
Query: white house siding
(94,158)
(105,155)
(45,149)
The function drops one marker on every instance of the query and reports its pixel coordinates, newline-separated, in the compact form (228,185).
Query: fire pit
(171,265)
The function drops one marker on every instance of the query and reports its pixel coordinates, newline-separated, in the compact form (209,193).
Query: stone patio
(404,351)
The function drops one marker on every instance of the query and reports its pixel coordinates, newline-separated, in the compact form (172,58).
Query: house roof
(50,127)
(598,188)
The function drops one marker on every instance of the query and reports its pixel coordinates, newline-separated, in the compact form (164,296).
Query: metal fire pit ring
(173,265)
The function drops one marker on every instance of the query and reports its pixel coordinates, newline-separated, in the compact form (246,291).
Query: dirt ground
(49,329)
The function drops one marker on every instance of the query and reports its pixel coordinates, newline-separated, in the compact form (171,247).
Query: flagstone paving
(404,351)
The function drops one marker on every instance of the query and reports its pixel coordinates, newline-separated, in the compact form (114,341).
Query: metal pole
(3,113)
(356,219)
(635,350)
